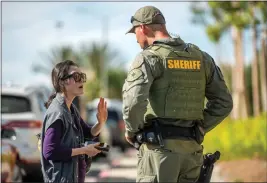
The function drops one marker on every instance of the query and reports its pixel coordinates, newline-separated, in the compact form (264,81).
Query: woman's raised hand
(102,112)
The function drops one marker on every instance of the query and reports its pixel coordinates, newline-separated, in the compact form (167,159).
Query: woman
(64,131)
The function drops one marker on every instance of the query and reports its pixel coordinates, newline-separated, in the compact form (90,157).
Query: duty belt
(156,133)
(173,132)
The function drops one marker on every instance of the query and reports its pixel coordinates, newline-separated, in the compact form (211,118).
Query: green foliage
(226,14)
(97,55)
(92,89)
(227,74)
(116,79)
(56,55)
(214,32)
(92,57)
(238,139)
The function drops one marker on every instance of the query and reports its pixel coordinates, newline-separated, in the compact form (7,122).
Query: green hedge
(238,139)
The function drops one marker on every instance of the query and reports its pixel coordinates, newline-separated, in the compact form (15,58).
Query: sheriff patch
(183,64)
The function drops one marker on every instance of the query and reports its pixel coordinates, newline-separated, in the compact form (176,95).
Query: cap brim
(130,31)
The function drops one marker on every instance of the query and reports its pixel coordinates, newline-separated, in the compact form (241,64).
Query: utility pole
(104,63)
(59,25)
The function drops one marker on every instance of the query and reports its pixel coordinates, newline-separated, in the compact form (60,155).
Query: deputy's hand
(90,150)
(129,139)
(102,112)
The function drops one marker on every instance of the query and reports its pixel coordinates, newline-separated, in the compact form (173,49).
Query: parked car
(115,124)
(23,110)
(10,165)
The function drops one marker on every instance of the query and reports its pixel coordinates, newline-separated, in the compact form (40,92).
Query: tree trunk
(240,108)
(218,52)
(263,65)
(254,67)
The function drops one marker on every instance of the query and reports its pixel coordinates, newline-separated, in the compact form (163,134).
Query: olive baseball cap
(146,15)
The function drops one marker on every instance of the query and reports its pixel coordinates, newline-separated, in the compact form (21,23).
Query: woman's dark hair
(58,73)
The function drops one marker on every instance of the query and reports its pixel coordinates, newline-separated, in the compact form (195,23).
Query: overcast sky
(28,29)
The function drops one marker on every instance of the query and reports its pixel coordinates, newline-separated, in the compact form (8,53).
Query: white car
(115,128)
(23,110)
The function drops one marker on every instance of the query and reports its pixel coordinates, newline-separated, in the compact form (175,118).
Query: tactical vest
(179,92)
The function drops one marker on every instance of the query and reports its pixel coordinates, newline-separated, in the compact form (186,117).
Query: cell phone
(103,147)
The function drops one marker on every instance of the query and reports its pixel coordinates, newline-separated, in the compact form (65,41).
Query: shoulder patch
(134,75)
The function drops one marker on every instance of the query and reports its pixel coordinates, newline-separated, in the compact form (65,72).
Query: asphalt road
(121,167)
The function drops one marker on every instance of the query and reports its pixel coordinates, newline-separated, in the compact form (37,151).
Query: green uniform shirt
(144,71)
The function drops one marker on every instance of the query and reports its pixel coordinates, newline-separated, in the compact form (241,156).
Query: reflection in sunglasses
(78,77)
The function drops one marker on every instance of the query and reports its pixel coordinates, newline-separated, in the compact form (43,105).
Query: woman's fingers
(96,144)
(101,104)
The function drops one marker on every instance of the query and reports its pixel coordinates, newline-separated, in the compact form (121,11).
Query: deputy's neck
(159,35)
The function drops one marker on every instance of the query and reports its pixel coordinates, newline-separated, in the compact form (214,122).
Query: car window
(113,116)
(91,116)
(15,104)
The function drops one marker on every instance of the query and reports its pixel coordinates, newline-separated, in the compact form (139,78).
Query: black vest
(59,171)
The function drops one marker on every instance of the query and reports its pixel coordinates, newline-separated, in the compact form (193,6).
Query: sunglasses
(78,77)
(134,19)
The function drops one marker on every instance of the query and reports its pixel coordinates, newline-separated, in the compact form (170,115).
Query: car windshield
(15,104)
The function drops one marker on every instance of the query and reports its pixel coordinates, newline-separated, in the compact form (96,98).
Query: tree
(214,29)
(234,16)
(101,56)
(54,56)
(227,73)
(254,65)
(116,81)
(263,55)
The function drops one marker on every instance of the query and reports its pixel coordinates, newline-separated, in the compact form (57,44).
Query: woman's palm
(102,112)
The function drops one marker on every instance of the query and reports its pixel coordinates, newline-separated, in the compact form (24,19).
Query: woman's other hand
(90,150)
(102,112)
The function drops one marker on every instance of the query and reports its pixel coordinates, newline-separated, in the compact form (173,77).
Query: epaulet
(151,50)
(193,46)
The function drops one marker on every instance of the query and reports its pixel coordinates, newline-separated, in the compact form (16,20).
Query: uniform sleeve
(136,92)
(220,101)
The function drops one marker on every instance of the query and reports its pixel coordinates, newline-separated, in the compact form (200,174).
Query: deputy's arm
(220,101)
(136,92)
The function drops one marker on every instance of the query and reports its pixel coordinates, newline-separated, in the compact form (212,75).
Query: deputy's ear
(143,28)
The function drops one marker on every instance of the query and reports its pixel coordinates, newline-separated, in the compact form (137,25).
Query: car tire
(17,176)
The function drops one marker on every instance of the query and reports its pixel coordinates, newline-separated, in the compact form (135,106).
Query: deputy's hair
(59,72)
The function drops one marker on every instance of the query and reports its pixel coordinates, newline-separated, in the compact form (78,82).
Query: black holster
(207,167)
(151,135)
